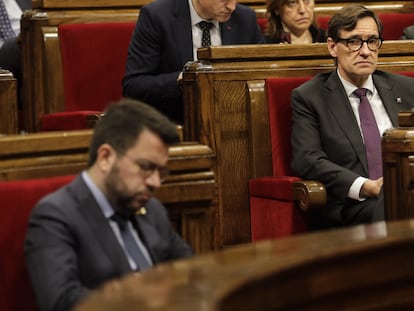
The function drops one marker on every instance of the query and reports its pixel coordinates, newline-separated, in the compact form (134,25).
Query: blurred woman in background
(292,21)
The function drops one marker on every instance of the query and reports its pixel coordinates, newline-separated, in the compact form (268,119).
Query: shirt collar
(195,18)
(350,88)
(100,198)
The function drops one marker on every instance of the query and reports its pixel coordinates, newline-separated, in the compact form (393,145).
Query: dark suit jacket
(10,50)
(327,143)
(408,33)
(162,44)
(70,247)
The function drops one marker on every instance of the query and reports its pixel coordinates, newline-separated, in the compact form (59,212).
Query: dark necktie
(205,27)
(6,30)
(372,136)
(130,243)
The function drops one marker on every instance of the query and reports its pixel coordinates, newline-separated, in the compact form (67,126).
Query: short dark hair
(347,17)
(123,122)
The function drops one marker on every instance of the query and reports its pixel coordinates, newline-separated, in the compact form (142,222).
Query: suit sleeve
(143,78)
(52,261)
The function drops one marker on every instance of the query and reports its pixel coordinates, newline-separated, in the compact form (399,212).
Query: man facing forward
(330,140)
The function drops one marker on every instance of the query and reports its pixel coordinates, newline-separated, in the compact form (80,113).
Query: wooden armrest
(310,194)
(406,118)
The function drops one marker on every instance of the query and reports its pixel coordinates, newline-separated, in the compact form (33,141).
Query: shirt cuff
(355,189)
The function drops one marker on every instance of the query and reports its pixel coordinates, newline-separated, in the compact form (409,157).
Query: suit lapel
(146,231)
(180,25)
(228,32)
(100,226)
(384,88)
(345,117)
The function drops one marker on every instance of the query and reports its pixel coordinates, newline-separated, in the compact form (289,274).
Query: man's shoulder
(319,79)
(162,4)
(243,10)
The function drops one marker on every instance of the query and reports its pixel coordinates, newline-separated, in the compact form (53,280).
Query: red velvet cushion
(280,115)
(93,59)
(65,121)
(17,200)
(262,22)
(274,219)
(93,62)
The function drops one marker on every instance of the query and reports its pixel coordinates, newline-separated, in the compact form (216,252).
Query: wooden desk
(188,193)
(398,159)
(216,101)
(8,103)
(360,268)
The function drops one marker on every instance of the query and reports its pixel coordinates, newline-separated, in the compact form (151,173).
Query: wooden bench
(42,69)
(360,268)
(217,99)
(188,193)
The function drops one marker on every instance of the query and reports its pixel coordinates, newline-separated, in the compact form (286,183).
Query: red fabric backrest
(280,118)
(394,24)
(93,60)
(262,22)
(17,200)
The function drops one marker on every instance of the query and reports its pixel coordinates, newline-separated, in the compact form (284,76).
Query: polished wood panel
(398,161)
(188,193)
(8,103)
(216,102)
(360,268)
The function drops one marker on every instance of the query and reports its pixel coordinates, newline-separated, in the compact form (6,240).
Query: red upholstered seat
(394,24)
(273,210)
(93,60)
(17,200)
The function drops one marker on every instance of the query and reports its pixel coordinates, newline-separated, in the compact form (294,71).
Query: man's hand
(371,188)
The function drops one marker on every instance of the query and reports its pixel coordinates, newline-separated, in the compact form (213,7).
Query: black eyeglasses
(355,44)
(147,168)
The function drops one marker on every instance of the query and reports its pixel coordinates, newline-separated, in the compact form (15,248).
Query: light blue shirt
(108,212)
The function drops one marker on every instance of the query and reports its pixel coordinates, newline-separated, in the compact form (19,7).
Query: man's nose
(154,180)
(364,49)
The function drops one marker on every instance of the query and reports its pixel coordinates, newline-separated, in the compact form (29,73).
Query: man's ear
(332,46)
(106,157)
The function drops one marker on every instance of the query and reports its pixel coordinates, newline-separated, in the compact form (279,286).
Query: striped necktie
(130,244)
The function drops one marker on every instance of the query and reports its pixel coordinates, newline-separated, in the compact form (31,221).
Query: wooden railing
(361,268)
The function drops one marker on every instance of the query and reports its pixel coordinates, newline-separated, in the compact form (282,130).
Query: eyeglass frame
(381,40)
(147,168)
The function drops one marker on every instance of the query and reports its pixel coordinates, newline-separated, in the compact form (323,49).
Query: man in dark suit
(105,224)
(328,136)
(10,48)
(167,36)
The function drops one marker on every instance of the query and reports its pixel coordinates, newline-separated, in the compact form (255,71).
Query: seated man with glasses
(339,118)
(105,224)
